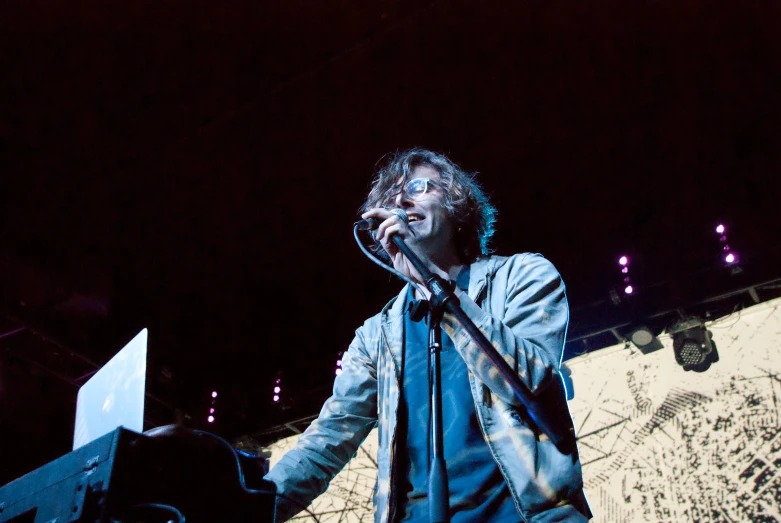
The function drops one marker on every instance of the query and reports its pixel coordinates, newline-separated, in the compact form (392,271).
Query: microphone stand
(554,422)
(438,492)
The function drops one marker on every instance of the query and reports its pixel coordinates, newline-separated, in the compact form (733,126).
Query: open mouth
(415,218)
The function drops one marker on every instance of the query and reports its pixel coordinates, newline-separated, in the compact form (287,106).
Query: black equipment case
(126,477)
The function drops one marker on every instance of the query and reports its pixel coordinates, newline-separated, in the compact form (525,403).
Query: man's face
(429,219)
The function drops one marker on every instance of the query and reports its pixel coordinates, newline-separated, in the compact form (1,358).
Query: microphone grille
(402,214)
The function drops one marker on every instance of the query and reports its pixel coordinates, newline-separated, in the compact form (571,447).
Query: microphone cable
(240,472)
(169,510)
(382,264)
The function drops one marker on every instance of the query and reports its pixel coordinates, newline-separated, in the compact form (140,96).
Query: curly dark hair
(466,203)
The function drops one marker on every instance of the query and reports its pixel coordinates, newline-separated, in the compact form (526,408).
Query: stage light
(644,339)
(277,396)
(212,405)
(729,256)
(624,261)
(693,345)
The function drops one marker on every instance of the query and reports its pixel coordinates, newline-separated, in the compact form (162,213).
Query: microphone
(372,223)
(367,225)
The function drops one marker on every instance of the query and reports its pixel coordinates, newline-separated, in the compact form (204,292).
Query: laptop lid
(114,395)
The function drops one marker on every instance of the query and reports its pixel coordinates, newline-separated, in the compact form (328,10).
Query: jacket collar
(392,326)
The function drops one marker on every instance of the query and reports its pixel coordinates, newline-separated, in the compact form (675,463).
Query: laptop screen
(114,395)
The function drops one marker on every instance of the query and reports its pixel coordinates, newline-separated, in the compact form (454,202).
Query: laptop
(114,395)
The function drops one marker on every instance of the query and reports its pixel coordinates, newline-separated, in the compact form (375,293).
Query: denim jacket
(520,304)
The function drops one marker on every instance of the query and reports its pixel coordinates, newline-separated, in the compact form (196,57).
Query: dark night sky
(196,168)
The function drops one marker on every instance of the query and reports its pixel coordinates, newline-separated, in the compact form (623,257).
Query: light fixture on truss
(693,345)
(644,339)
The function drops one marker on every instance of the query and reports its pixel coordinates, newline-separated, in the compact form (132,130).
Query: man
(499,465)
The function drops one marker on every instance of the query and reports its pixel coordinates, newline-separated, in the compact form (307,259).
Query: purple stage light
(628,289)
(720,229)
(276,390)
(214,394)
(338,371)
(338,363)
(625,270)
(210,419)
(276,398)
(730,258)
(623,260)
(211,411)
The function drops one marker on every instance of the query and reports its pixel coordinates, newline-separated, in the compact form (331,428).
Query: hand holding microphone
(392,227)
(371,224)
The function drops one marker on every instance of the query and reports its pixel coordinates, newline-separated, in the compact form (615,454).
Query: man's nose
(402,200)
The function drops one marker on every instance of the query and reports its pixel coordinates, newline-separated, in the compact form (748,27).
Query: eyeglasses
(414,189)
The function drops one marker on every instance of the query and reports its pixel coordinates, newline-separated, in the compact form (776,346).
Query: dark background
(196,168)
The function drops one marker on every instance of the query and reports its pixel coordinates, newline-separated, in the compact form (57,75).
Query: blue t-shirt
(478,491)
